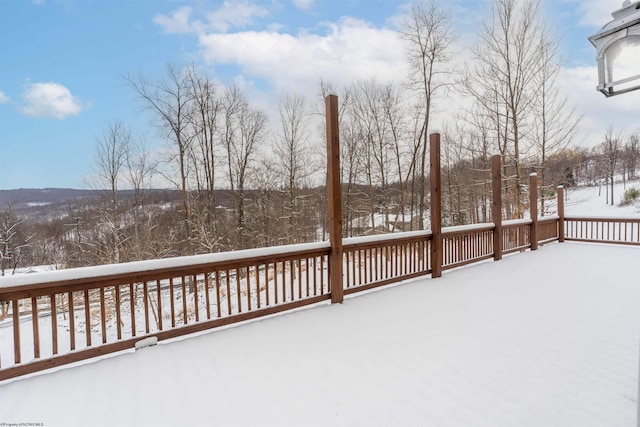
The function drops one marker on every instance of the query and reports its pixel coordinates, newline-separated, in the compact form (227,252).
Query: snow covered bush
(630,196)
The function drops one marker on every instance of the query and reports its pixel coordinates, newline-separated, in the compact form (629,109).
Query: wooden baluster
(238,290)
(145,299)
(283,271)
(228,283)
(36,327)
(103,316)
(248,271)
(306,274)
(275,282)
(159,303)
(196,304)
(299,270)
(291,279)
(87,317)
(118,317)
(132,307)
(185,313)
(172,303)
(206,294)
(256,271)
(217,284)
(72,321)
(322,275)
(16,331)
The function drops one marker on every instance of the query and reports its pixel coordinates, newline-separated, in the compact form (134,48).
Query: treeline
(148,227)
(245,178)
(467,187)
(149,222)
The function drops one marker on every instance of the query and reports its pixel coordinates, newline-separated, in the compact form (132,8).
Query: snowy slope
(592,201)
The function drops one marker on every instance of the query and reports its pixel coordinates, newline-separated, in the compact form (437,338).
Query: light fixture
(618,51)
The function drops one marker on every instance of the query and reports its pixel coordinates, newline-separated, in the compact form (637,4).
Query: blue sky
(63,62)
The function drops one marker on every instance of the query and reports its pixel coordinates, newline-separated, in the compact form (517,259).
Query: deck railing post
(496,205)
(533,210)
(560,196)
(334,200)
(435,205)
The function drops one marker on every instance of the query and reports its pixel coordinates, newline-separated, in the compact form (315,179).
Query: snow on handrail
(155,264)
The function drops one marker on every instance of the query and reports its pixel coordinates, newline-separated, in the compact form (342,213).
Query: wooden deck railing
(466,244)
(607,230)
(92,311)
(369,262)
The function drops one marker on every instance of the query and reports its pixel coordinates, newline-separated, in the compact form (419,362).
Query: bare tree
(265,221)
(15,240)
(632,154)
(140,169)
(243,130)
(368,116)
(294,157)
(171,101)
(351,146)
(205,157)
(403,152)
(479,128)
(506,61)
(427,31)
(554,121)
(110,159)
(610,149)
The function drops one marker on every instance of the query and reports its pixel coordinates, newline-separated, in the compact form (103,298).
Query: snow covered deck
(543,338)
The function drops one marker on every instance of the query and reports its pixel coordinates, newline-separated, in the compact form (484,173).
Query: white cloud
(231,14)
(303,4)
(178,22)
(4,98)
(235,14)
(596,12)
(51,100)
(350,50)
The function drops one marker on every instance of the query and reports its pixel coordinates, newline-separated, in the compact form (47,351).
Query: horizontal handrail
(634,220)
(512,223)
(548,219)
(462,230)
(152,268)
(388,237)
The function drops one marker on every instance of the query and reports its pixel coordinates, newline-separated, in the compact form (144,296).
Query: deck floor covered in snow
(544,338)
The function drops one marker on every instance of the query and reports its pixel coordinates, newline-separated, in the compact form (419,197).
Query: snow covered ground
(545,338)
(536,339)
(592,201)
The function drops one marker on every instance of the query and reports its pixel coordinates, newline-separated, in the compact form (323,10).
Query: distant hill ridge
(22,197)
(25,197)
(41,204)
